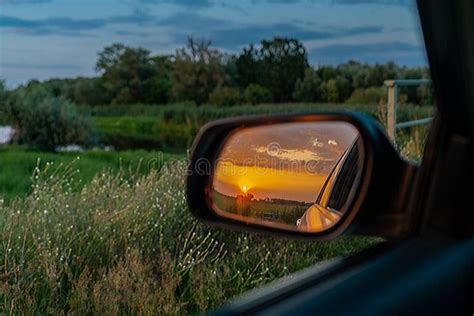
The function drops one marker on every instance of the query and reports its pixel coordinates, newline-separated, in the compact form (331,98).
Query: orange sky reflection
(272,161)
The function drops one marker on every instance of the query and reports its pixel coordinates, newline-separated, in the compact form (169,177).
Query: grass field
(17,165)
(110,233)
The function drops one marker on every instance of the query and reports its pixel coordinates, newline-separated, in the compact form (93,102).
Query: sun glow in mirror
(298,175)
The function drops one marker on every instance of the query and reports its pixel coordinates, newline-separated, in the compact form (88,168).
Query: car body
(326,210)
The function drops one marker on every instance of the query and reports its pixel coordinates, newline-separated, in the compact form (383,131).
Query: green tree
(344,88)
(197,70)
(3,91)
(45,121)
(378,73)
(329,92)
(4,94)
(276,65)
(308,88)
(284,62)
(416,94)
(326,73)
(335,90)
(158,88)
(89,91)
(249,67)
(127,73)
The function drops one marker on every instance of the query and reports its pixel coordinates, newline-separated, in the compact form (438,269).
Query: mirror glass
(293,176)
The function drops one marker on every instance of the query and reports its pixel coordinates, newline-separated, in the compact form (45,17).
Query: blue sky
(41,39)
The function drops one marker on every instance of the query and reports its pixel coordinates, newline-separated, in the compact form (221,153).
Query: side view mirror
(299,175)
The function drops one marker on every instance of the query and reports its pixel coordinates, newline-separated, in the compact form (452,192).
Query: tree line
(276,71)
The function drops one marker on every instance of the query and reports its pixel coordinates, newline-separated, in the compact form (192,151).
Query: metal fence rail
(392,105)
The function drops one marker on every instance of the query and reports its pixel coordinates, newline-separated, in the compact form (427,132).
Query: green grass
(128,245)
(17,165)
(411,142)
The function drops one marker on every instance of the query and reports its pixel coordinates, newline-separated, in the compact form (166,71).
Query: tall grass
(188,113)
(173,127)
(126,244)
(182,113)
(411,142)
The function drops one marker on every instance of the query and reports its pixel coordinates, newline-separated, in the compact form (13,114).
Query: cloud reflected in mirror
(297,175)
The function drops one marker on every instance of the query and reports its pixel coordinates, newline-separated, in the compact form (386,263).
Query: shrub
(372,95)
(225,96)
(44,121)
(255,94)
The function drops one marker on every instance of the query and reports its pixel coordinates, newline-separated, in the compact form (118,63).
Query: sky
(288,161)
(42,39)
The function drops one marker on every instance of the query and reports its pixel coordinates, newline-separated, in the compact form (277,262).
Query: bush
(372,95)
(255,94)
(44,121)
(225,96)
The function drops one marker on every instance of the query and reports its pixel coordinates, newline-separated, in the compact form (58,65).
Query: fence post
(391,108)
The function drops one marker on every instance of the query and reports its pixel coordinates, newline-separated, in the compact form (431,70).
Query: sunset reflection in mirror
(279,174)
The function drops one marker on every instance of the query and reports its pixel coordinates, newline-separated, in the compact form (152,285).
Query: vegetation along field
(105,228)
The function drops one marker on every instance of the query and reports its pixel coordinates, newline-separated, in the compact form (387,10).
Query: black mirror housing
(377,205)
